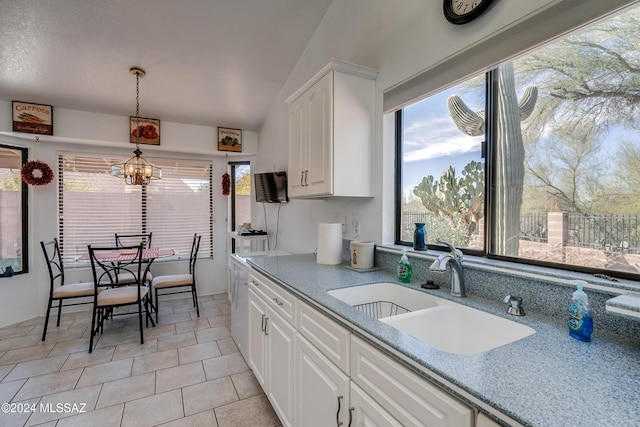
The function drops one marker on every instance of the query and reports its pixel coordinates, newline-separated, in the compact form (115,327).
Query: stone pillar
(558,228)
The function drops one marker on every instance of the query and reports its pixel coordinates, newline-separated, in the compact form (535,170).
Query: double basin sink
(443,324)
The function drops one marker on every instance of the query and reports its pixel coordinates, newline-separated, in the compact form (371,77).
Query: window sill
(557,276)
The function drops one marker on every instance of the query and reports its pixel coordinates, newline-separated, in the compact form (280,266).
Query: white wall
(400,40)
(25,296)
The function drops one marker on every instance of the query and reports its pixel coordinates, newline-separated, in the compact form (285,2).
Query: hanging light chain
(137,107)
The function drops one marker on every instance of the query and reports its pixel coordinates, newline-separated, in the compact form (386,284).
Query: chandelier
(137,170)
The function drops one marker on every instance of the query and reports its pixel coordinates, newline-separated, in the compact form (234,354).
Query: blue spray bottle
(580,321)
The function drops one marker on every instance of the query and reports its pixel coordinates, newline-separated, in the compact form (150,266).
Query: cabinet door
(322,390)
(298,162)
(257,338)
(366,412)
(280,344)
(411,399)
(320,136)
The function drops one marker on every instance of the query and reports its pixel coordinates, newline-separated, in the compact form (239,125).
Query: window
(443,169)
(561,180)
(93,204)
(13,210)
(241,193)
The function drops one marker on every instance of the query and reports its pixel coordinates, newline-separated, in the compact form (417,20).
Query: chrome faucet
(457,276)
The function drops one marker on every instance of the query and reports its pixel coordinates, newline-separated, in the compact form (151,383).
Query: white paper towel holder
(329,244)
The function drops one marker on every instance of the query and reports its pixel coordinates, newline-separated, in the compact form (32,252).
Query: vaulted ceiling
(208,62)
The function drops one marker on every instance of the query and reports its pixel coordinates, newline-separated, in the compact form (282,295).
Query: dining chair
(110,294)
(135,239)
(58,290)
(172,281)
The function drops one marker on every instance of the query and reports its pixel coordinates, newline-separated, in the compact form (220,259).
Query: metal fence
(607,232)
(533,226)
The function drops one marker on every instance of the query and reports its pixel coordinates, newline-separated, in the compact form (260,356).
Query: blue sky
(432,142)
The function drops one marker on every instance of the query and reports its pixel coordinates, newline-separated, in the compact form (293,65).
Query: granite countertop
(545,379)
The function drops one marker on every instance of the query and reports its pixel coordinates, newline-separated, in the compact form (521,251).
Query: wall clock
(463,11)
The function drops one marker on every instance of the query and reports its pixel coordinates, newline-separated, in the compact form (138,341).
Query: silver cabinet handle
(350,416)
(262,325)
(338,422)
(301,178)
(266,326)
(306,178)
(277,301)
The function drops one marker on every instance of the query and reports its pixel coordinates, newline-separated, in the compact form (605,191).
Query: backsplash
(546,295)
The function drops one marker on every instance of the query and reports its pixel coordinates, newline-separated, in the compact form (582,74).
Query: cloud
(436,137)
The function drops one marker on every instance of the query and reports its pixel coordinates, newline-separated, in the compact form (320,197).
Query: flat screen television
(271,187)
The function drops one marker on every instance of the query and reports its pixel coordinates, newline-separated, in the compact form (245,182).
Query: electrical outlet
(355,223)
(343,221)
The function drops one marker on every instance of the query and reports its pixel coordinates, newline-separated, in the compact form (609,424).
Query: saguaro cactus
(509,150)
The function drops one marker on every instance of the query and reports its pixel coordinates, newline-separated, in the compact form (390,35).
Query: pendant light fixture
(137,170)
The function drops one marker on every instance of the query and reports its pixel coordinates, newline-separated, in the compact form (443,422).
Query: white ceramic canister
(362,254)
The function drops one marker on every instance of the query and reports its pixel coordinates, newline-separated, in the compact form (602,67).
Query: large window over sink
(558,180)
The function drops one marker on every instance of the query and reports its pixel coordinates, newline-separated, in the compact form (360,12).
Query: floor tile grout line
(214,319)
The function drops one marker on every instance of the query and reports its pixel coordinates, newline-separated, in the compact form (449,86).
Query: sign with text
(32,118)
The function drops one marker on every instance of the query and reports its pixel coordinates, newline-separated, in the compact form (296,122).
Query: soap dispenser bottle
(404,268)
(580,321)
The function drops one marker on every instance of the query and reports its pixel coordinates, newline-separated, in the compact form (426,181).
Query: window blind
(93,205)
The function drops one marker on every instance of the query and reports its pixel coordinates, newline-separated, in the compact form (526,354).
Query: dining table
(148,254)
(121,255)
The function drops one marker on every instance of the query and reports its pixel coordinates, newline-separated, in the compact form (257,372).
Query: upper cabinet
(331,133)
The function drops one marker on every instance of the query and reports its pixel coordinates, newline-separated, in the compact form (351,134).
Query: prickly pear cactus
(455,198)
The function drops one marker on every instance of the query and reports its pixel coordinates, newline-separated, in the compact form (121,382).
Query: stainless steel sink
(446,325)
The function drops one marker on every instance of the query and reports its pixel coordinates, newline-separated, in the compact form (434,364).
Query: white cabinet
(409,398)
(330,338)
(366,412)
(321,389)
(257,339)
(272,344)
(315,372)
(239,296)
(331,133)
(484,421)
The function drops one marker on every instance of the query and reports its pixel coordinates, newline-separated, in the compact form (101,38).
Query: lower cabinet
(316,373)
(366,412)
(322,390)
(271,355)
(409,398)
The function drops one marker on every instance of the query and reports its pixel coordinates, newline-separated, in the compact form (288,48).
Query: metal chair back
(134,239)
(107,268)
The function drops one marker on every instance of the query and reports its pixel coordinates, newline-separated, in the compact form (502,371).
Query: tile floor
(188,372)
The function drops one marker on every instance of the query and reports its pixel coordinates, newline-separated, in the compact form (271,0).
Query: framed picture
(229,139)
(32,118)
(148,130)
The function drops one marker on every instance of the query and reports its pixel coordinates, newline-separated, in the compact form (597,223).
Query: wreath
(226,184)
(35,172)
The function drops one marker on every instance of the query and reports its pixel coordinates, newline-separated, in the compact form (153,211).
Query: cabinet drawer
(280,300)
(412,400)
(328,336)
